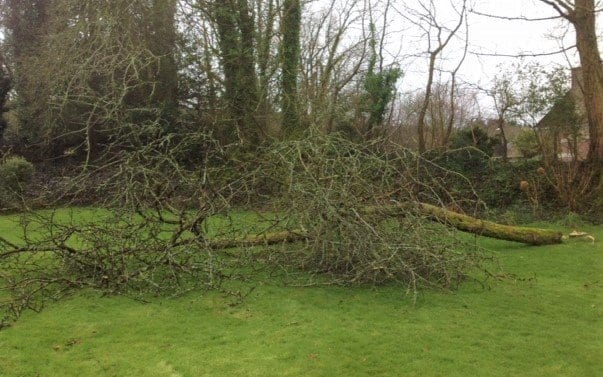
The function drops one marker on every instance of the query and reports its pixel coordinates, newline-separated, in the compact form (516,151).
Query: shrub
(499,186)
(495,182)
(527,143)
(15,174)
(474,137)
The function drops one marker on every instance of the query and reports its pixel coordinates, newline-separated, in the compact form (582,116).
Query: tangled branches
(115,252)
(157,228)
(148,233)
(339,192)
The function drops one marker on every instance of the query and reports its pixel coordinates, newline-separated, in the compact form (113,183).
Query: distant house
(511,132)
(565,126)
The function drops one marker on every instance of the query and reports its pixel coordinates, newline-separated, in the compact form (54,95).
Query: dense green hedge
(495,182)
(15,175)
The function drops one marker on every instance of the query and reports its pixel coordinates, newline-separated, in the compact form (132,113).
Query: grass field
(548,321)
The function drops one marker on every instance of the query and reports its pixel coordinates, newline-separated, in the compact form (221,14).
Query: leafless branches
(437,36)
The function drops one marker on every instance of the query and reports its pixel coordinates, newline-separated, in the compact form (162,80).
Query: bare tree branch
(514,18)
(564,9)
(524,54)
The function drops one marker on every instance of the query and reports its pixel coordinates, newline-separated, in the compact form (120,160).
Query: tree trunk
(425,104)
(229,44)
(503,139)
(592,72)
(6,85)
(264,39)
(465,223)
(162,43)
(582,16)
(248,84)
(235,28)
(25,24)
(290,61)
(583,19)
(265,239)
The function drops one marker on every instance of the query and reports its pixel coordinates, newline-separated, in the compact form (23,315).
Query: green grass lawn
(547,322)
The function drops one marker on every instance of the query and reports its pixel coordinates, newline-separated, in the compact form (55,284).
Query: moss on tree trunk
(465,223)
(531,236)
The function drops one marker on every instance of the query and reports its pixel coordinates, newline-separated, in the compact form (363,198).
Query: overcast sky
(489,35)
(494,36)
(486,36)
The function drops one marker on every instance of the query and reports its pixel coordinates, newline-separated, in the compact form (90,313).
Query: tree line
(249,71)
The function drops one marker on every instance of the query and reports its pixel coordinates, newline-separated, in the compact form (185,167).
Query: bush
(495,182)
(15,174)
(527,143)
(474,137)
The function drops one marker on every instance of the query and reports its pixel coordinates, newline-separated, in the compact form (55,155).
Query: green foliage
(527,143)
(501,187)
(496,183)
(15,174)
(598,208)
(564,117)
(379,86)
(572,220)
(380,89)
(466,164)
(234,26)
(476,138)
(15,171)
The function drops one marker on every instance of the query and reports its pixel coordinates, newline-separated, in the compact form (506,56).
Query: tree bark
(425,104)
(290,62)
(162,42)
(247,77)
(465,223)
(6,85)
(583,19)
(265,239)
(235,28)
(503,139)
(582,15)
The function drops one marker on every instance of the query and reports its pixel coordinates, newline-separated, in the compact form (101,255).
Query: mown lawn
(548,321)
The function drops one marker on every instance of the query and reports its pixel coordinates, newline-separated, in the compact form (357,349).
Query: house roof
(561,112)
(511,130)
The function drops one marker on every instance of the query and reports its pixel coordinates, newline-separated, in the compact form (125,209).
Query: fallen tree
(462,222)
(164,220)
(465,223)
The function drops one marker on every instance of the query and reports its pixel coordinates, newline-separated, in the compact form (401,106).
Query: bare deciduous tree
(438,36)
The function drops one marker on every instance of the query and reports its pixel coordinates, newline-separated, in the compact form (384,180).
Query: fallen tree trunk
(272,238)
(530,236)
(465,223)
(470,224)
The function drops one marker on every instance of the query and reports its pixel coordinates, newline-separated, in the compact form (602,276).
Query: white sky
(406,43)
(492,36)
(486,36)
